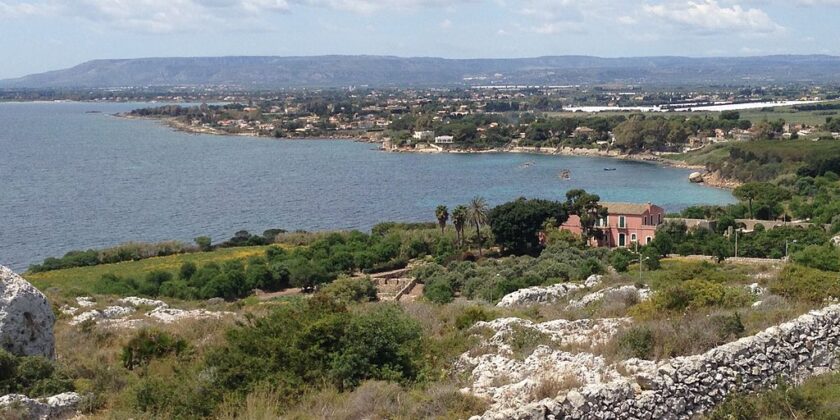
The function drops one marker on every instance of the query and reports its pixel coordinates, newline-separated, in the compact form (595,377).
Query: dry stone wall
(683,387)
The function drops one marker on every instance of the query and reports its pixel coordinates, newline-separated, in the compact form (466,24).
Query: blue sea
(72,176)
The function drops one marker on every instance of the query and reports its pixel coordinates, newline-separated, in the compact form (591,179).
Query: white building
(444,140)
(424,135)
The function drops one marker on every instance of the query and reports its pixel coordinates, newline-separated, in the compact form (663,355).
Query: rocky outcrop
(696,177)
(124,313)
(170,315)
(509,380)
(538,294)
(684,387)
(546,294)
(626,292)
(57,407)
(26,317)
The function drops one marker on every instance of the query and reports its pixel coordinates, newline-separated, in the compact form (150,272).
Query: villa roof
(627,208)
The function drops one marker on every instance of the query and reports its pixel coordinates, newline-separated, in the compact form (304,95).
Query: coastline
(710,179)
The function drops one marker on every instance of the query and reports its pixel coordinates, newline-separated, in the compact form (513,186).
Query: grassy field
(81,280)
(816,398)
(789,151)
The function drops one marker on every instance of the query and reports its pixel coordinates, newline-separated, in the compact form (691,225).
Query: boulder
(57,407)
(836,241)
(26,317)
(695,177)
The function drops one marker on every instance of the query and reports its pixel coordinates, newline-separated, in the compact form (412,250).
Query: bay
(72,176)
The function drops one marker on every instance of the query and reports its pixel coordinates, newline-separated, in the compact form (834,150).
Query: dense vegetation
(306,267)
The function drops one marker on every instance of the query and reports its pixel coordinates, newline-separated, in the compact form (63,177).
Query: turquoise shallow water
(70,179)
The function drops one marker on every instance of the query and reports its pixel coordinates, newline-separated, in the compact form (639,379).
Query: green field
(789,151)
(81,280)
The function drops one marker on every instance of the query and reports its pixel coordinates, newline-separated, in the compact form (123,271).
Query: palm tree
(477,212)
(442,214)
(459,219)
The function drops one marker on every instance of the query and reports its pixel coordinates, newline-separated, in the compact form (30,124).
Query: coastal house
(424,135)
(444,140)
(625,224)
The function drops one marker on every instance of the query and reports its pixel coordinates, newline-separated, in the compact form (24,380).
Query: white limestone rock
(170,315)
(68,310)
(538,294)
(756,290)
(85,301)
(593,280)
(138,301)
(695,177)
(642,294)
(58,407)
(109,313)
(26,317)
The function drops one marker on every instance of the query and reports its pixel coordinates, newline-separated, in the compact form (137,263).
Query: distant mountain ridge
(261,72)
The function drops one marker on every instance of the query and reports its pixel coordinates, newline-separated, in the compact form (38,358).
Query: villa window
(622,240)
(646,220)
(622,222)
(633,238)
(660,218)
(648,240)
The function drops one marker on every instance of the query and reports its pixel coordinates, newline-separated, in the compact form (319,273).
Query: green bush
(470,315)
(620,259)
(149,344)
(439,290)
(636,342)
(826,257)
(693,294)
(33,376)
(800,282)
(346,290)
(308,344)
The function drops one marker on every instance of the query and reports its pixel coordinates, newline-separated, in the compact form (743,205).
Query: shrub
(800,282)
(620,259)
(316,342)
(470,315)
(439,290)
(346,290)
(187,270)
(34,376)
(826,258)
(636,342)
(697,294)
(149,344)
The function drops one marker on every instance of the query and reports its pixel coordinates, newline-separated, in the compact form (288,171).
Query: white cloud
(160,16)
(446,24)
(708,16)
(16,9)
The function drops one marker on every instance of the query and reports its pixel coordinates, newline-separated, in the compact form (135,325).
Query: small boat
(609,169)
(565,174)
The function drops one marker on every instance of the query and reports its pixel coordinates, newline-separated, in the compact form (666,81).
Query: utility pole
(736,243)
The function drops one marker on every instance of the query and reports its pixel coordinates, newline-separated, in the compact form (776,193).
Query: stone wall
(683,387)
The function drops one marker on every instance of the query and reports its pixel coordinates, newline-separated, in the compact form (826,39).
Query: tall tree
(517,225)
(477,212)
(459,219)
(587,208)
(442,215)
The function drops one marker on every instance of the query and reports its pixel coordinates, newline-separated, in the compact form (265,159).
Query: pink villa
(626,224)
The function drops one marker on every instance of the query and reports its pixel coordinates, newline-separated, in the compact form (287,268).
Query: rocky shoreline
(711,179)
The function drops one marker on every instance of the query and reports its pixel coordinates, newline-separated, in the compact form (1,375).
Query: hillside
(335,71)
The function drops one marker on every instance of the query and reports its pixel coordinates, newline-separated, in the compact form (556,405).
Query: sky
(43,35)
